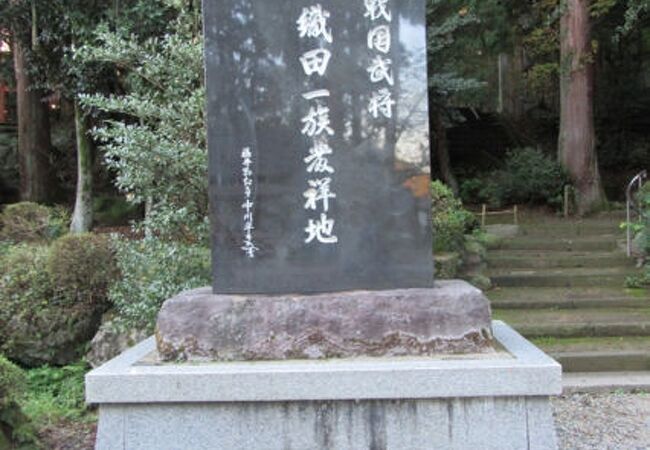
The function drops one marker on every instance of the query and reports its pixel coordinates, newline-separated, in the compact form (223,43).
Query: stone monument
(324,328)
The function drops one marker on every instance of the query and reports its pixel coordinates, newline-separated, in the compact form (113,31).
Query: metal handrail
(638,181)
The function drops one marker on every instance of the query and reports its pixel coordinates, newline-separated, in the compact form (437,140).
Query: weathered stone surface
(452,317)
(111,340)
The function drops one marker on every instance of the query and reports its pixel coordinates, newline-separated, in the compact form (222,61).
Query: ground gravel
(607,422)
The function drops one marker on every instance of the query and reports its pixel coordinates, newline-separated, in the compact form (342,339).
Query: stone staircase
(561,284)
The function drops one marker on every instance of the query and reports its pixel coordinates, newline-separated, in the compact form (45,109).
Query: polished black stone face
(319,145)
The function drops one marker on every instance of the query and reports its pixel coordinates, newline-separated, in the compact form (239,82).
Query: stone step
(567,298)
(567,278)
(540,259)
(599,354)
(605,382)
(572,229)
(602,243)
(566,323)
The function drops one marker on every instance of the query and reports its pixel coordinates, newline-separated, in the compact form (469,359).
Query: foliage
(450,220)
(31,222)
(152,272)
(15,429)
(154,141)
(114,210)
(635,10)
(61,26)
(643,230)
(52,297)
(55,393)
(81,268)
(445,23)
(528,177)
(12,382)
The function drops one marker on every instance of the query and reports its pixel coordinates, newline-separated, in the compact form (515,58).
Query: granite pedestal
(487,401)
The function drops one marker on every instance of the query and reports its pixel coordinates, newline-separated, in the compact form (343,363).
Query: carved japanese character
(317,161)
(376,9)
(321,230)
(319,191)
(313,23)
(316,61)
(382,103)
(317,121)
(380,70)
(379,39)
(249,248)
(320,93)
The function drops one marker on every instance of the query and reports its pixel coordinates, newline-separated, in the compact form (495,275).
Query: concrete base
(498,401)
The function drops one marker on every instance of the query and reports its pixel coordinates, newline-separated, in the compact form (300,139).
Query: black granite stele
(256,85)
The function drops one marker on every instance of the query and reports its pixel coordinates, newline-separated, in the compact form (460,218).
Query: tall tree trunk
(577,140)
(34,144)
(82,218)
(442,155)
(3,103)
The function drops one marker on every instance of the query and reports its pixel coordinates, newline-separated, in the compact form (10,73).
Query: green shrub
(52,298)
(473,191)
(31,222)
(450,220)
(12,382)
(528,177)
(152,272)
(16,432)
(82,267)
(55,393)
(641,242)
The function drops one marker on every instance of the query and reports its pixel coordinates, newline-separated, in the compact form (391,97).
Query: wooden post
(516,212)
(484,216)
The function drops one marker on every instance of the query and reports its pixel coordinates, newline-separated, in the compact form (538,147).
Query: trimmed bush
(52,298)
(82,267)
(12,382)
(31,222)
(528,177)
(16,431)
(450,220)
(152,272)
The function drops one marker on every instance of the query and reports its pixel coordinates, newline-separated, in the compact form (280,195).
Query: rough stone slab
(451,318)
(522,370)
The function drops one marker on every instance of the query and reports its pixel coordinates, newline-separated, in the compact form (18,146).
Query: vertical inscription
(248,206)
(313,24)
(380,68)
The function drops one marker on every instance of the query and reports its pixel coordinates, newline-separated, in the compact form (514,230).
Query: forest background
(103,156)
